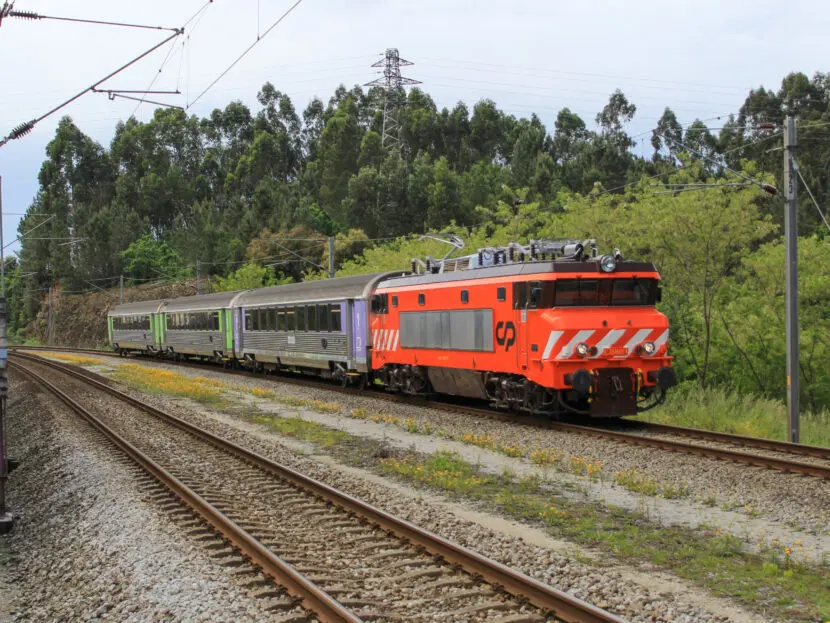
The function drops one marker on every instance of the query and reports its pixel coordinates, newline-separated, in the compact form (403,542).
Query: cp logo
(505,334)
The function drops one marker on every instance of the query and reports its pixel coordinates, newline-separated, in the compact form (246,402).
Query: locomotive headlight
(647,348)
(608,263)
(582,349)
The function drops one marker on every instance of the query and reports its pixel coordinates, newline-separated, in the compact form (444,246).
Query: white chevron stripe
(664,337)
(638,337)
(384,333)
(388,341)
(397,339)
(375,339)
(552,339)
(609,340)
(568,350)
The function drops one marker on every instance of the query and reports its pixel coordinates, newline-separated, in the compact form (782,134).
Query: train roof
(201,302)
(559,267)
(355,287)
(136,309)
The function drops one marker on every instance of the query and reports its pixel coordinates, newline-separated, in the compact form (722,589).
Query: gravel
(88,543)
(604,588)
(345,553)
(798,502)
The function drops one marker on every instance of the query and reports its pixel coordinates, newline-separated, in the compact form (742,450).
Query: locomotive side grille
(448,330)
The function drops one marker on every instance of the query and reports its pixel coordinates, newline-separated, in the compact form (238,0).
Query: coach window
(422,299)
(299,317)
(334,316)
(322,317)
(312,317)
(501,294)
(395,301)
(289,318)
(465,296)
(280,319)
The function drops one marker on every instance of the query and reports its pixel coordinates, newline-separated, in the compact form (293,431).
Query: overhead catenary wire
(31,15)
(810,192)
(196,18)
(24,128)
(245,52)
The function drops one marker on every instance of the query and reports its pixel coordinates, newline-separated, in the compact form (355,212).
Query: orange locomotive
(548,328)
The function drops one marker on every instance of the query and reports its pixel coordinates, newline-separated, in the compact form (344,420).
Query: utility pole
(198,277)
(5,517)
(2,256)
(791,236)
(50,325)
(331,257)
(121,284)
(393,83)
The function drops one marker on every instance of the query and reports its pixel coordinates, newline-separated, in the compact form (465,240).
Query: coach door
(519,331)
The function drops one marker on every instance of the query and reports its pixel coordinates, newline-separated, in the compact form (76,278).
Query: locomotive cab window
(501,294)
(605,292)
(380,304)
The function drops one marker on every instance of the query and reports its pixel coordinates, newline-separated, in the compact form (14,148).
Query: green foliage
(148,258)
(248,277)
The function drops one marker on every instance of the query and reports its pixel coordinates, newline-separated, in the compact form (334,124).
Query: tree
(148,258)
(247,277)
(667,135)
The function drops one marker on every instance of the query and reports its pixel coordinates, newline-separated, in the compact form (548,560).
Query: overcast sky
(698,57)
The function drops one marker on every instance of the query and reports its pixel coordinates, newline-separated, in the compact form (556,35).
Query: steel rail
(736,456)
(311,596)
(556,602)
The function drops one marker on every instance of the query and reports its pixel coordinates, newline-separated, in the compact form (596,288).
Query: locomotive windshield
(586,293)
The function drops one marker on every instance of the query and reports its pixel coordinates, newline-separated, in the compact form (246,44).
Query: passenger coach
(318,326)
(135,327)
(199,326)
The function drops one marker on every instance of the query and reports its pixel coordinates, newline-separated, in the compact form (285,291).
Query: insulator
(510,253)
(496,258)
(521,257)
(481,258)
(532,250)
(414,266)
(24,14)
(429,265)
(22,130)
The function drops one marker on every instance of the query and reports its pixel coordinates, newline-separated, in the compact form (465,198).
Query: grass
(156,381)
(771,582)
(725,411)
(76,359)
(302,429)
(581,465)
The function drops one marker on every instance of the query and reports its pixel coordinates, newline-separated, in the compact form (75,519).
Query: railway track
(341,558)
(777,455)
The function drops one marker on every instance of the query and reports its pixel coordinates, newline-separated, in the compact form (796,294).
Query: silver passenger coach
(315,324)
(133,326)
